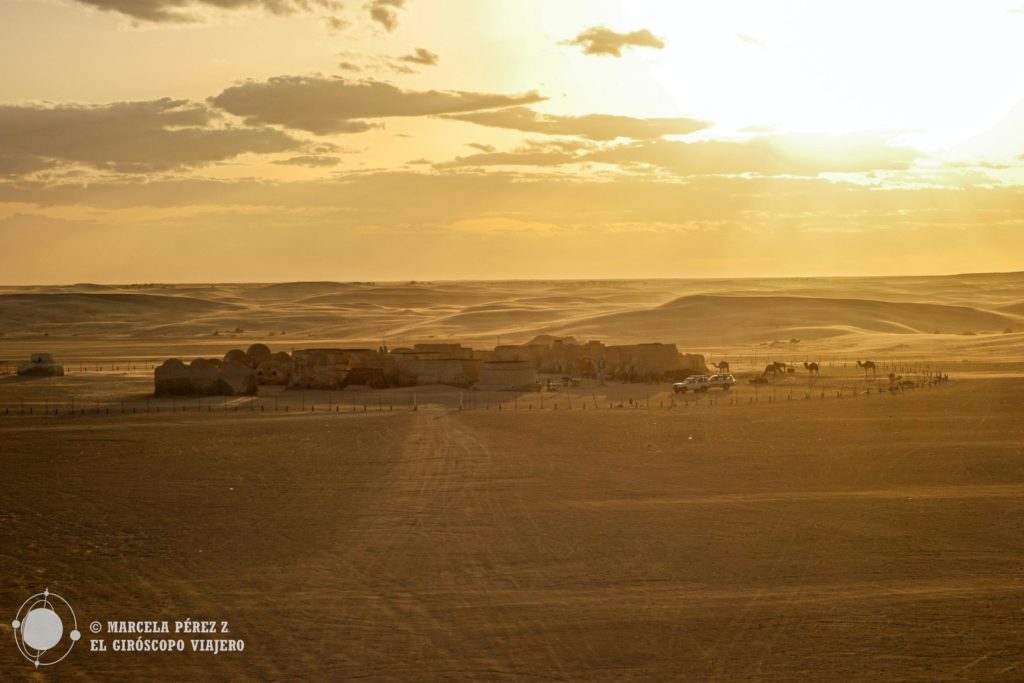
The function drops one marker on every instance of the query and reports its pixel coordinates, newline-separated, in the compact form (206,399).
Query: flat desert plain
(810,530)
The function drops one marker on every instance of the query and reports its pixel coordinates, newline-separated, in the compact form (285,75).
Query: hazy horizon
(413,280)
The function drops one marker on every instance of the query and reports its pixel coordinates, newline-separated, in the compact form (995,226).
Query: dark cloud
(182,10)
(385,12)
(524,157)
(128,136)
(592,126)
(532,153)
(482,147)
(333,105)
(311,160)
(421,56)
(337,23)
(15,165)
(600,40)
(357,62)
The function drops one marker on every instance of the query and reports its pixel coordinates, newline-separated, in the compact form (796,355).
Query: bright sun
(933,73)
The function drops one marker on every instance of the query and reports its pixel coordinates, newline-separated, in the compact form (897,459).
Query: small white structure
(41,365)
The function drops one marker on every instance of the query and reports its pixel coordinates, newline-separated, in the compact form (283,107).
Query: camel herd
(776,368)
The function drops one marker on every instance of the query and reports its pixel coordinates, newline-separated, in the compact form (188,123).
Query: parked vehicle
(691,383)
(723,381)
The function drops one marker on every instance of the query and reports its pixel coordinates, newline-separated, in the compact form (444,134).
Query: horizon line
(514,279)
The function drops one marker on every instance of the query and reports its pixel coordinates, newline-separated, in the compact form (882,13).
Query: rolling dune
(960,314)
(712,319)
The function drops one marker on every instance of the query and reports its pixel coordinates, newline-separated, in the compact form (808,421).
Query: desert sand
(811,530)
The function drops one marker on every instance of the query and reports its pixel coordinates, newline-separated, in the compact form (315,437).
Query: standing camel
(723,366)
(867,365)
(811,368)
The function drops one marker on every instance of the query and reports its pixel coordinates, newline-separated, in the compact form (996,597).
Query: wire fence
(595,397)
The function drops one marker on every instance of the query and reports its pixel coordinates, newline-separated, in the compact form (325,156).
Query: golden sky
(256,140)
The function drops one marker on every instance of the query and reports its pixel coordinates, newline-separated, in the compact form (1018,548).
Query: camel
(775,367)
(811,368)
(723,366)
(867,365)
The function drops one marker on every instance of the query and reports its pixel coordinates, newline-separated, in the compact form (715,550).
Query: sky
(273,140)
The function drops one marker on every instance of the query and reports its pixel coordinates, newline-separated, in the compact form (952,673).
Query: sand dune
(723,315)
(75,307)
(704,318)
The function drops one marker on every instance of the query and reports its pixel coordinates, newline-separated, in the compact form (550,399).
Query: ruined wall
(203,377)
(695,361)
(277,369)
(416,369)
(594,359)
(41,365)
(508,375)
(644,358)
(337,368)
(450,364)
(319,369)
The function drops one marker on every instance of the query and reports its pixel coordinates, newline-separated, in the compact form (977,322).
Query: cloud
(325,105)
(599,40)
(532,153)
(421,56)
(179,11)
(482,147)
(524,157)
(750,40)
(131,137)
(385,12)
(592,126)
(310,160)
(337,23)
(373,64)
(16,165)
(793,155)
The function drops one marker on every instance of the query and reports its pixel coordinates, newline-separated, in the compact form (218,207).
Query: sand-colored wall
(507,375)
(319,369)
(593,358)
